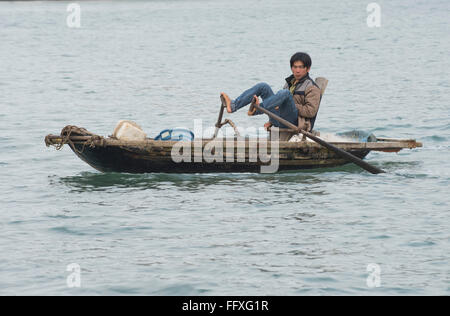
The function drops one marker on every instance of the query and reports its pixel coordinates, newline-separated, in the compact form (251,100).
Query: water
(163,64)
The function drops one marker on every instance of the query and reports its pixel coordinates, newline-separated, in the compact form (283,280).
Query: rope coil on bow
(65,138)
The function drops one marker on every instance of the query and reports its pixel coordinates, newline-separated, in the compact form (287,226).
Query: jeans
(283,101)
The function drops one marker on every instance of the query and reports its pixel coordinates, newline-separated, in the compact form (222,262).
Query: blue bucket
(176,134)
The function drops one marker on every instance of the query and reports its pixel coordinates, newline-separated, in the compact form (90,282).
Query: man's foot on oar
(252,109)
(226,102)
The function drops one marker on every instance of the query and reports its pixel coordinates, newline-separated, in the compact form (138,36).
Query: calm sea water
(163,64)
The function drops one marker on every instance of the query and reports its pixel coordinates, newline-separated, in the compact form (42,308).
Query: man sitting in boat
(297,103)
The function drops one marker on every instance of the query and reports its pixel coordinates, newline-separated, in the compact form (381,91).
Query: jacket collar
(302,79)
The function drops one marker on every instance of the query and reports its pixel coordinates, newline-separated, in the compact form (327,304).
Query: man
(297,103)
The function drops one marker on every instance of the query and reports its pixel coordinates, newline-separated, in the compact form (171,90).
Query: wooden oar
(338,151)
(219,120)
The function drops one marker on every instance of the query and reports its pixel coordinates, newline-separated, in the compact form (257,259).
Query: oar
(219,120)
(338,151)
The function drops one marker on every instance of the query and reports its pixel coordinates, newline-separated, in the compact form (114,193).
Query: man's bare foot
(252,109)
(226,102)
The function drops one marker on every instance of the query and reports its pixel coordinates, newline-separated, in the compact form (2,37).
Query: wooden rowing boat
(108,154)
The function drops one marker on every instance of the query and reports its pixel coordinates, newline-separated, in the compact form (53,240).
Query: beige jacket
(307,99)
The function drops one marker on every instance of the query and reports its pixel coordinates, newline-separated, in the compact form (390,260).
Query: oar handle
(219,120)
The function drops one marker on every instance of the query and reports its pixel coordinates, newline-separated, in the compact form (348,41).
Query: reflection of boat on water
(215,154)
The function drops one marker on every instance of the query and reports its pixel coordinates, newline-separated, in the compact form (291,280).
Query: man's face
(299,70)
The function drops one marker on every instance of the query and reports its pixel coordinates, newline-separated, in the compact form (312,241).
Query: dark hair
(303,57)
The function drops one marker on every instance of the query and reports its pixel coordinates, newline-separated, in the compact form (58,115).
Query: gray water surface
(163,64)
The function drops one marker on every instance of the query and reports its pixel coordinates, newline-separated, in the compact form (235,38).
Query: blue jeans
(281,104)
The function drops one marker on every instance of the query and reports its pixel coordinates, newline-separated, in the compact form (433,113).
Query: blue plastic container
(176,134)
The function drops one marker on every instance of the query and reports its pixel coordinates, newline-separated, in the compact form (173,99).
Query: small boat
(238,154)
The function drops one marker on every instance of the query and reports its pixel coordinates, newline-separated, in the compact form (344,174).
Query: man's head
(300,64)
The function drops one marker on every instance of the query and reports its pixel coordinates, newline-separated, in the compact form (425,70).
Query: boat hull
(215,155)
(116,159)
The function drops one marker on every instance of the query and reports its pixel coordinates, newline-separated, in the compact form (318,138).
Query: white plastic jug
(129,131)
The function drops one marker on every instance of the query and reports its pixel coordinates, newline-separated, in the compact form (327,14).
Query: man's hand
(267,125)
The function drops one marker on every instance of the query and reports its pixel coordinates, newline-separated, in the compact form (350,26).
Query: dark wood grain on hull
(116,159)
